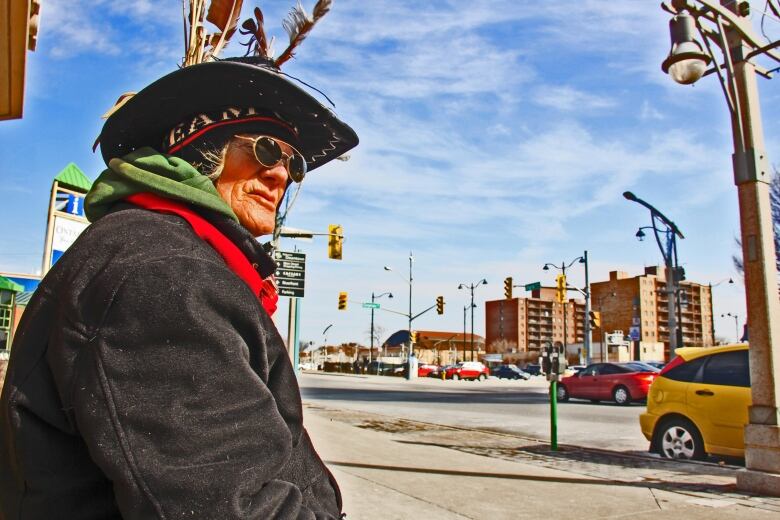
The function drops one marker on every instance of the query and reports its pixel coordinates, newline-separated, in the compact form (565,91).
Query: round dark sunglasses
(268,152)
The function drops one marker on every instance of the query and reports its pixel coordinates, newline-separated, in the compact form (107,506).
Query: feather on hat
(207,84)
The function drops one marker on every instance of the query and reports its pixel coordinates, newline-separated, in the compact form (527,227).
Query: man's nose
(277,175)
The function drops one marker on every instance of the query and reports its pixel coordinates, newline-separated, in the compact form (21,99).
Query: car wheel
(481,377)
(621,395)
(678,438)
(455,377)
(563,393)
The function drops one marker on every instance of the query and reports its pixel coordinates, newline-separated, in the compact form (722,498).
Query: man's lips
(265,200)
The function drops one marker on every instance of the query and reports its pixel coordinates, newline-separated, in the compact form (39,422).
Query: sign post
(291,281)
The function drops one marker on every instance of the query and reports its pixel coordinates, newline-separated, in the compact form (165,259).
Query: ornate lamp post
(585,356)
(662,226)
(724,26)
(471,288)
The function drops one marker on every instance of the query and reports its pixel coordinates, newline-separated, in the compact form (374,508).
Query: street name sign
(369,305)
(533,286)
(290,273)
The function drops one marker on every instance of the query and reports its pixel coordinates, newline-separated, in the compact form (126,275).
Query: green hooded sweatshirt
(146,170)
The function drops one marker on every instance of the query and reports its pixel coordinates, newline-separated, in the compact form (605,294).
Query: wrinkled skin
(252,190)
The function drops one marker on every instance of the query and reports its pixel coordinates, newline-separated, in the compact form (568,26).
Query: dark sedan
(510,372)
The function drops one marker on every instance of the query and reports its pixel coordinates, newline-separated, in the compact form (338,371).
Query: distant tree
(379,332)
(774,202)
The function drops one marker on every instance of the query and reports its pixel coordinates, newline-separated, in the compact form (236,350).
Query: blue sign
(75,205)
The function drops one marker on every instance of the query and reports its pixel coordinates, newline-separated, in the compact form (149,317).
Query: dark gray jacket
(146,381)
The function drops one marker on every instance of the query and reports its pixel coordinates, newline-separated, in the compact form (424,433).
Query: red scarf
(265,290)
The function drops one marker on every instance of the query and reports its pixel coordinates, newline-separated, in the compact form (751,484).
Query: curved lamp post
(736,324)
(410,283)
(726,27)
(585,357)
(663,227)
(471,288)
(712,308)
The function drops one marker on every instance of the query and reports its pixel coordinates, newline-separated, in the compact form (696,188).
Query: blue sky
(495,136)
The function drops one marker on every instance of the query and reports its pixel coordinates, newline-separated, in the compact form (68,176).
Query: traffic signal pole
(554,414)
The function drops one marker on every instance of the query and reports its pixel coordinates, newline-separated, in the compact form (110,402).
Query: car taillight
(673,363)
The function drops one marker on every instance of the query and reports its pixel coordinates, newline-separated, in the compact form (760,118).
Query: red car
(467,370)
(426,370)
(617,382)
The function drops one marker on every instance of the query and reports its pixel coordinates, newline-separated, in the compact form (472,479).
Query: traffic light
(440,304)
(335,239)
(508,288)
(560,293)
(413,337)
(595,319)
(342,301)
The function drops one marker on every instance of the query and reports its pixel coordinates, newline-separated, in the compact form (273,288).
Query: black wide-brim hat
(147,117)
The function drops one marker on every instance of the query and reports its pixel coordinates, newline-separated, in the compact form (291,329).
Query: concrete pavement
(391,468)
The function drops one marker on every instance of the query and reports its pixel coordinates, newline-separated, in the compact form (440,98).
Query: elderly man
(147,378)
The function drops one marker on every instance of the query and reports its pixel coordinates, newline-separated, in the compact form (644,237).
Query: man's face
(252,190)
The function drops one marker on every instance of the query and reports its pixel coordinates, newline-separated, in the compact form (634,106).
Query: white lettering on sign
(66,231)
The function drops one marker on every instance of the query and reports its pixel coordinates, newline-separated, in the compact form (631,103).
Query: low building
(436,347)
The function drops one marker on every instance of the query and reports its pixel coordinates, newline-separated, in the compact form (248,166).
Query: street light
(325,343)
(371,349)
(471,288)
(736,324)
(662,226)
(726,27)
(410,282)
(686,62)
(585,357)
(712,308)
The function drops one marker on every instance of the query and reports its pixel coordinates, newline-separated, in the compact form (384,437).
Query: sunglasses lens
(267,151)
(297,167)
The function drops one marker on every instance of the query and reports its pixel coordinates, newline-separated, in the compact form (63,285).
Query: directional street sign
(290,273)
(533,286)
(369,305)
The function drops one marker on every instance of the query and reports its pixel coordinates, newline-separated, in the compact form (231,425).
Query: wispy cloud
(567,99)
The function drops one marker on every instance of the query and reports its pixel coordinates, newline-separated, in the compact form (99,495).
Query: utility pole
(471,288)
(588,331)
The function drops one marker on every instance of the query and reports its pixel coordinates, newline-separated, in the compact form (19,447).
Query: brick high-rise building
(638,306)
(523,324)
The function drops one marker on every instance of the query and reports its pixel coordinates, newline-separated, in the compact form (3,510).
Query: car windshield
(638,366)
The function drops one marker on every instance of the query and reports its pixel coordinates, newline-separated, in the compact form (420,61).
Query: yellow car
(698,404)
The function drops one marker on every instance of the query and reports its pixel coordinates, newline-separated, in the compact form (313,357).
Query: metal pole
(410,304)
(291,331)
(464,333)
(677,298)
(563,270)
(672,321)
(472,322)
(296,347)
(736,329)
(554,416)
(588,331)
(712,317)
(371,349)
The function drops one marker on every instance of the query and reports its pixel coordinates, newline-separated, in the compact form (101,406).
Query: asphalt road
(517,407)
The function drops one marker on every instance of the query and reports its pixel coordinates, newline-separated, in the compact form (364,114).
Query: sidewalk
(397,469)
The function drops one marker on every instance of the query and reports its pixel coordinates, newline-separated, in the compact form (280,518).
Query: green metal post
(296,352)
(553,415)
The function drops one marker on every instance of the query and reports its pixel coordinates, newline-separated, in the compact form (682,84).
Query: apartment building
(524,324)
(638,306)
